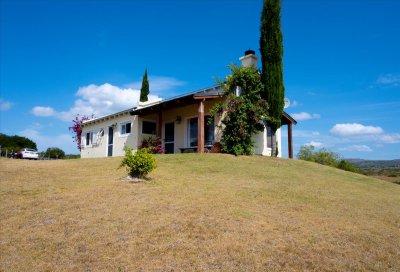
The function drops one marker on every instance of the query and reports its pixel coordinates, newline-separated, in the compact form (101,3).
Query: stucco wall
(99,148)
(261,147)
(279,141)
(134,139)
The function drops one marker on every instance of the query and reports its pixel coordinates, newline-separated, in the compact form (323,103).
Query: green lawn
(196,213)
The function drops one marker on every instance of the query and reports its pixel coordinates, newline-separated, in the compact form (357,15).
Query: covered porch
(184,125)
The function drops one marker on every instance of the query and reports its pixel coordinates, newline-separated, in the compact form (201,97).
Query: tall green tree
(271,48)
(145,90)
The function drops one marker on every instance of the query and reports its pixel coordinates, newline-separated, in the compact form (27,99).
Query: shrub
(54,153)
(138,164)
(345,165)
(153,144)
(306,153)
(323,156)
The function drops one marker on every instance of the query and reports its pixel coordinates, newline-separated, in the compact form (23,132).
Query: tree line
(10,144)
(14,143)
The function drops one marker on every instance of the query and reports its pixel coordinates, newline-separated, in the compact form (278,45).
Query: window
(192,127)
(149,127)
(208,131)
(125,128)
(89,138)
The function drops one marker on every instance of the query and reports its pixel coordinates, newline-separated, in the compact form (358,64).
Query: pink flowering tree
(76,128)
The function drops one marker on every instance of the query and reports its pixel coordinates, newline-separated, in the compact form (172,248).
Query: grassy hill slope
(196,213)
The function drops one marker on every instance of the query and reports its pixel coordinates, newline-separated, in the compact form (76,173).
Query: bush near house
(138,164)
(153,144)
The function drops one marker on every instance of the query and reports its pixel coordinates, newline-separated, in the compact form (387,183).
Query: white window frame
(150,121)
(124,125)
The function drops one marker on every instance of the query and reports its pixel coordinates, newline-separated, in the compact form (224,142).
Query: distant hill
(375,164)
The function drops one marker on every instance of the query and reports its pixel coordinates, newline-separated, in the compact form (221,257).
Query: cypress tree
(144,91)
(271,48)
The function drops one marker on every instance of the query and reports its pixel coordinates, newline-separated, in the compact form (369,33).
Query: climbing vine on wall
(76,128)
(244,114)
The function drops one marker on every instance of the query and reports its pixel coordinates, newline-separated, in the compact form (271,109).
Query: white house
(181,123)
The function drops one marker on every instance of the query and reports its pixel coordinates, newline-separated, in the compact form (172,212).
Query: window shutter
(95,136)
(83,139)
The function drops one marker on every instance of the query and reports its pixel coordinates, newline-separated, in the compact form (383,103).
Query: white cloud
(158,84)
(106,99)
(294,104)
(357,148)
(43,111)
(366,133)
(390,138)
(315,144)
(354,130)
(99,100)
(63,141)
(5,105)
(389,80)
(305,116)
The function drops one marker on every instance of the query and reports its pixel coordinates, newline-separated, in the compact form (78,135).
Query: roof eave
(289,119)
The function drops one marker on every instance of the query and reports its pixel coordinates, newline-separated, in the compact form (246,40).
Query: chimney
(249,59)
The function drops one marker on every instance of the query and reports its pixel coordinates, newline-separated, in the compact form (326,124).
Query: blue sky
(341,64)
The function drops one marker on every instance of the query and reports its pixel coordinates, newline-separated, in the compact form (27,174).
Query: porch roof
(190,98)
(287,119)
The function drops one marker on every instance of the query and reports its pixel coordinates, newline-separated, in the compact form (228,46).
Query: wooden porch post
(200,128)
(290,143)
(159,125)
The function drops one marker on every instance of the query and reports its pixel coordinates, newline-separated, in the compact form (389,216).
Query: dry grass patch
(196,213)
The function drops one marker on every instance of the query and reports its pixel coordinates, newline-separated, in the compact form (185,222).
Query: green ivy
(246,114)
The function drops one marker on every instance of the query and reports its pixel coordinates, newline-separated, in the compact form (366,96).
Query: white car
(27,153)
